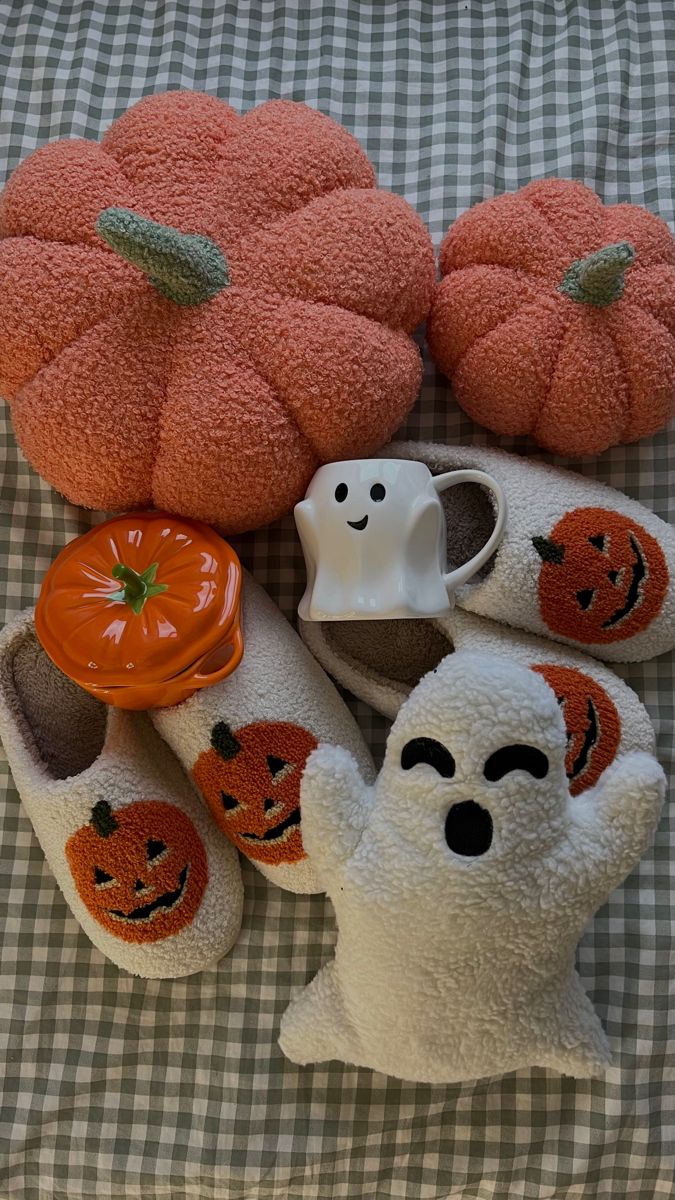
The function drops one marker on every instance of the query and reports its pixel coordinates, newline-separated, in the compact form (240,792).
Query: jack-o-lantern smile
(163,903)
(141,870)
(603,577)
(592,722)
(250,779)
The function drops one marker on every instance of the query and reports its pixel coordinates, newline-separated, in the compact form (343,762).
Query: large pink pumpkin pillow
(203,308)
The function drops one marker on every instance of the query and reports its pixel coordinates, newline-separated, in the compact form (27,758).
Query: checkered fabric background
(115,1087)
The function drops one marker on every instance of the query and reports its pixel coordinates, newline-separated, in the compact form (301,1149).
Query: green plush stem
(224,742)
(599,279)
(103,819)
(137,588)
(185,267)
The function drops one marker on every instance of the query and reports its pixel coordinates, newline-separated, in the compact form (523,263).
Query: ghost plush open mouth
(278,833)
(163,903)
(359,524)
(468,829)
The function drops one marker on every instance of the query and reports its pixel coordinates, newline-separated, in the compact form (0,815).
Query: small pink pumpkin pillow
(203,308)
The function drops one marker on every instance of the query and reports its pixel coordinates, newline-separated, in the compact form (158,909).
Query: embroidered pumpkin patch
(592,722)
(603,577)
(141,870)
(250,780)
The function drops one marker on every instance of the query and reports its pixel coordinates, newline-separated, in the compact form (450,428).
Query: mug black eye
(341,492)
(433,753)
(516,758)
(378,492)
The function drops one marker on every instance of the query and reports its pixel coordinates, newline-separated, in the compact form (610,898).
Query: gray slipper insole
(66,723)
(470,517)
(404,651)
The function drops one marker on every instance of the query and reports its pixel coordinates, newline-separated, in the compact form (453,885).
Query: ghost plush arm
(334,802)
(612,824)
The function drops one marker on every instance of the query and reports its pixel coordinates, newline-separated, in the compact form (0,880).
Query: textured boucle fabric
(525,358)
(462,882)
(579,562)
(74,759)
(121,397)
(246,740)
(382,661)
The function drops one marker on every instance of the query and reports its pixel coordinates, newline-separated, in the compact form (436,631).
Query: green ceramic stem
(137,587)
(599,279)
(185,267)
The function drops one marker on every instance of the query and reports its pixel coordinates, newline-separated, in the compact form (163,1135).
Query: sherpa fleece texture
(382,661)
(221,411)
(69,753)
(461,883)
(579,562)
(246,740)
(525,358)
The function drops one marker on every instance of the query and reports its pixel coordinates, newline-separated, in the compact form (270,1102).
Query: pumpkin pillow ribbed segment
(202,308)
(555,317)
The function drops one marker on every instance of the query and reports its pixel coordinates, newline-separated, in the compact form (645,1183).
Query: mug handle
(455,579)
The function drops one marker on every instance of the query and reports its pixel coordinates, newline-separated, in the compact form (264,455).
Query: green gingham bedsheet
(117,1087)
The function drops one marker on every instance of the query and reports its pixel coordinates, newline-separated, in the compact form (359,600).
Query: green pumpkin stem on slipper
(103,819)
(224,742)
(185,267)
(548,550)
(600,278)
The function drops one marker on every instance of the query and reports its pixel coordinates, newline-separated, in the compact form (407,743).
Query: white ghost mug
(374,537)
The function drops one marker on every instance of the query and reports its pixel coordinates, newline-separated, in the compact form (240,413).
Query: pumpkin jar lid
(138,599)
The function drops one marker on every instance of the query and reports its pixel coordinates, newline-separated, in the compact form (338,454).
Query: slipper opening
(470,518)
(66,725)
(398,652)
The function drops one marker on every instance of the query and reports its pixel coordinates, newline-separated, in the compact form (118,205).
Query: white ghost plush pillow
(461,883)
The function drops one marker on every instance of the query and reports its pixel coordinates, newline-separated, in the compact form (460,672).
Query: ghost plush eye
(516,758)
(378,492)
(341,492)
(433,753)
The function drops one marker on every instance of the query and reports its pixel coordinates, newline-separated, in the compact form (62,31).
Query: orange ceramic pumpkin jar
(143,610)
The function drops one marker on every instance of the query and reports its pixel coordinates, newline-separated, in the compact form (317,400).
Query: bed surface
(114,1087)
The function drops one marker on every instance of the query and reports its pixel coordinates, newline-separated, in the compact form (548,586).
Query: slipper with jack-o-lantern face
(592,723)
(250,779)
(141,871)
(603,577)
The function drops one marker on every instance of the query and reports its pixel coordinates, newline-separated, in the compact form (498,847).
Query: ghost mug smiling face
(374,536)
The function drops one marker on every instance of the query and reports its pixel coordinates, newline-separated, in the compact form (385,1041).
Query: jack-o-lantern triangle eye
(276,765)
(101,877)
(155,848)
(598,540)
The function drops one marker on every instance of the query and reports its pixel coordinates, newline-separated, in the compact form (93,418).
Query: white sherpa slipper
(138,859)
(579,562)
(246,741)
(382,661)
